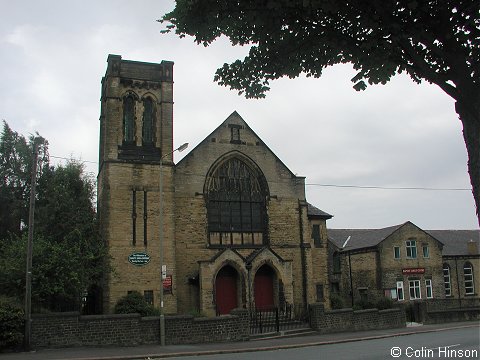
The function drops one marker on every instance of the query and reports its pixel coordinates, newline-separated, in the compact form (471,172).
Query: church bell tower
(136,131)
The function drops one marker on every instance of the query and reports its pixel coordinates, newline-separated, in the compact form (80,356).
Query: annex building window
(429,288)
(468,278)
(129,119)
(148,122)
(236,194)
(396,252)
(414,289)
(400,293)
(426,251)
(447,280)
(411,248)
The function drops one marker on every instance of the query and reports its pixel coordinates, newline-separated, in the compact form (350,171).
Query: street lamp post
(28,278)
(163,271)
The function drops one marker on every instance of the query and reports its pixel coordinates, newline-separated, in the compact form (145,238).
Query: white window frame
(468,279)
(414,287)
(400,292)
(411,249)
(395,248)
(393,294)
(425,249)
(428,288)
(447,280)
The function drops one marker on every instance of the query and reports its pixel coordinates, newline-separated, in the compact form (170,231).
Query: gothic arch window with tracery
(129,119)
(148,122)
(236,195)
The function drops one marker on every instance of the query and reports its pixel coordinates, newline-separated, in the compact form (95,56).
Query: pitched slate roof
(455,241)
(313,211)
(360,238)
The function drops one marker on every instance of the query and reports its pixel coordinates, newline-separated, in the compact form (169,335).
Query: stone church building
(234,223)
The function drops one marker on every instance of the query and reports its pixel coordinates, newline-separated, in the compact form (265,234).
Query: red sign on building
(413,271)
(167,284)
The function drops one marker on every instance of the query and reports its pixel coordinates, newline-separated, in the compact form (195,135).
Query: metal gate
(413,312)
(276,319)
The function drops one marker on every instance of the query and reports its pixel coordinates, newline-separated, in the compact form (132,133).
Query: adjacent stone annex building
(404,263)
(237,229)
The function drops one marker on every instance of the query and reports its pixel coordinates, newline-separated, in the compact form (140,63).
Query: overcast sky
(53,56)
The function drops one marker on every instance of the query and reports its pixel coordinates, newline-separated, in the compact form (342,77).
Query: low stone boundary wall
(72,329)
(446,304)
(438,311)
(328,321)
(452,315)
(186,330)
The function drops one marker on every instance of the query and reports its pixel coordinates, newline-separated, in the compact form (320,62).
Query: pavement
(274,342)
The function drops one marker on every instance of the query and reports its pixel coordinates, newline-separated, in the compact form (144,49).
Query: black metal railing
(276,319)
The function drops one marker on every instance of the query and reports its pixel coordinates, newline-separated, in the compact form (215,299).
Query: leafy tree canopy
(432,40)
(68,254)
(15,176)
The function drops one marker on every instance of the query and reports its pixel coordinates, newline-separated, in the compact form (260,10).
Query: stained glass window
(236,205)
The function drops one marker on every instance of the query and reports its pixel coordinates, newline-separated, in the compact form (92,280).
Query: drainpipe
(350,272)
(303,258)
(458,284)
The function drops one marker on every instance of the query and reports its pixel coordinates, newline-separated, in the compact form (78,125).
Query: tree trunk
(469,113)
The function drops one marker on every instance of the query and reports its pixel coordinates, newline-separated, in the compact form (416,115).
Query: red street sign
(167,284)
(410,271)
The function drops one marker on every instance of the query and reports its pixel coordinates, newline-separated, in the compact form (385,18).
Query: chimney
(472,247)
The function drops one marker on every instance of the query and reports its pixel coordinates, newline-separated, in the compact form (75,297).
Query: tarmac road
(447,344)
(378,343)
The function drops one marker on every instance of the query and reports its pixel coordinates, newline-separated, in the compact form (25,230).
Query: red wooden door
(263,288)
(226,290)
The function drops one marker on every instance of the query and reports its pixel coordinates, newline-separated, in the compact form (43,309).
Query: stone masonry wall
(55,330)
(195,287)
(186,330)
(349,320)
(71,329)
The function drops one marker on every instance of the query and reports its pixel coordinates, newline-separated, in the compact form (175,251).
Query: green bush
(336,302)
(11,324)
(384,303)
(135,303)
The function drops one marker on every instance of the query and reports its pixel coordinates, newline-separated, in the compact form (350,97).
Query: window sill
(244,246)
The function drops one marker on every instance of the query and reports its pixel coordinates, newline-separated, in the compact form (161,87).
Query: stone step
(283,334)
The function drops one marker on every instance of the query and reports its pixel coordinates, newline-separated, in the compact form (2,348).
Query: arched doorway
(226,294)
(263,287)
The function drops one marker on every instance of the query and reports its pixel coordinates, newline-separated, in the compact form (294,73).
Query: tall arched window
(148,123)
(236,204)
(447,280)
(468,278)
(129,119)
